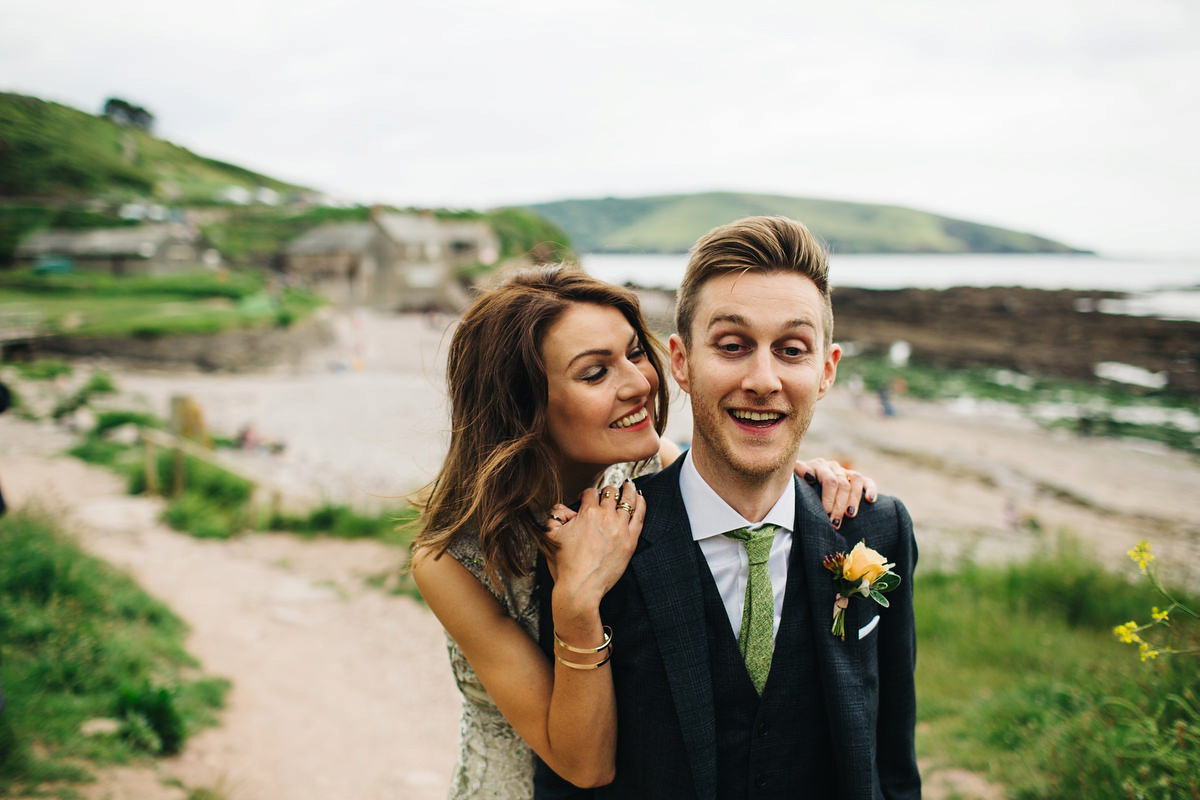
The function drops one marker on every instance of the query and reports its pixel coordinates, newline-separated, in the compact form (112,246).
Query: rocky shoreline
(1047,333)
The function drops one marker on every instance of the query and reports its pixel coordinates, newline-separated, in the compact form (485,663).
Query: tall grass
(1020,677)
(80,640)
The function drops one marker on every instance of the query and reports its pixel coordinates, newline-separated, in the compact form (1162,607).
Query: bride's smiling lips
(632,420)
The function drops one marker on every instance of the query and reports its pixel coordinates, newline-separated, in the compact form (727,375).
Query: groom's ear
(679,361)
(832,357)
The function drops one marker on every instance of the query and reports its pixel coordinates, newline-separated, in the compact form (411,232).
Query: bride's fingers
(627,502)
(564,513)
(608,493)
(639,512)
(587,498)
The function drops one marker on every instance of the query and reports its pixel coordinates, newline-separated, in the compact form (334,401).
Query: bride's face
(601,389)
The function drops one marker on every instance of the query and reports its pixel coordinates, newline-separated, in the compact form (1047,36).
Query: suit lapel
(837,661)
(665,567)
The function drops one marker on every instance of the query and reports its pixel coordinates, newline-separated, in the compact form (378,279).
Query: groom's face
(755,369)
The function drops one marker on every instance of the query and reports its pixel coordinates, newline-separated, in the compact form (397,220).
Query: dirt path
(340,690)
(343,691)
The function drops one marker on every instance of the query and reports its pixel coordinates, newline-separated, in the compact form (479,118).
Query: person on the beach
(553,378)
(729,678)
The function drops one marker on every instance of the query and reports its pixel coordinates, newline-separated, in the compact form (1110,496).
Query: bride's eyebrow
(598,351)
(603,351)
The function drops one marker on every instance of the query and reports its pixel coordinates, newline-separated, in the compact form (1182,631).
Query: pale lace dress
(493,761)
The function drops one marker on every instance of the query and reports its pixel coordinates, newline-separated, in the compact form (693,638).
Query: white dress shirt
(710,516)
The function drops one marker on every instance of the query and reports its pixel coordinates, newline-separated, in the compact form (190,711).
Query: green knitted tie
(757,637)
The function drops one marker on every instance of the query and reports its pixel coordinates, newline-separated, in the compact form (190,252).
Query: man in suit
(701,713)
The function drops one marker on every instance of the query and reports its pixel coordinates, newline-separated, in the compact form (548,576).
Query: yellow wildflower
(1127,633)
(1146,652)
(1141,555)
(1159,616)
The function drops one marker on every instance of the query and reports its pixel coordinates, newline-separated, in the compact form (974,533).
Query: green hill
(65,168)
(672,223)
(51,152)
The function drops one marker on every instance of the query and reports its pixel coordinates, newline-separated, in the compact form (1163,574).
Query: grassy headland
(67,169)
(672,224)
(56,152)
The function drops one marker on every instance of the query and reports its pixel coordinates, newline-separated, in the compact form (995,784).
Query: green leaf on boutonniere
(885,582)
(878,598)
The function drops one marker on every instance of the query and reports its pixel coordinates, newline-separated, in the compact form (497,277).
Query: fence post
(150,465)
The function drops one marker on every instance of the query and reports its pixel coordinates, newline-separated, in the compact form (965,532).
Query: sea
(1168,288)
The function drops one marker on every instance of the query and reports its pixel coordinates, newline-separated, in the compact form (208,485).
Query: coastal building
(153,249)
(334,260)
(396,261)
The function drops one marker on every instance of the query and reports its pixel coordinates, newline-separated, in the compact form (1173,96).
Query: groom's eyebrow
(741,320)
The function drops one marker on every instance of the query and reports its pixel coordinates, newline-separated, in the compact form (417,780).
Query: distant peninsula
(672,223)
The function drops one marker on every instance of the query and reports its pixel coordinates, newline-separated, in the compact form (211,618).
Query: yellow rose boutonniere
(864,572)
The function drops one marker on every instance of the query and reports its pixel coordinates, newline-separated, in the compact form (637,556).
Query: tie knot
(756,540)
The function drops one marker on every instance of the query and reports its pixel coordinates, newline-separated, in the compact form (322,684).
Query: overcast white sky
(1075,119)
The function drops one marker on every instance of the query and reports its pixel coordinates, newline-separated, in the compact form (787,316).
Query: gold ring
(625,507)
(604,493)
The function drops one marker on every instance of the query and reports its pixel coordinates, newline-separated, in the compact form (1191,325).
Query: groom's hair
(753,244)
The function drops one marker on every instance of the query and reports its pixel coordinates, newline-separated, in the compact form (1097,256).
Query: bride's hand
(843,491)
(594,545)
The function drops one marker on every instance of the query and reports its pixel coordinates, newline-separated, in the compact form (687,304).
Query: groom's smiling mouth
(756,419)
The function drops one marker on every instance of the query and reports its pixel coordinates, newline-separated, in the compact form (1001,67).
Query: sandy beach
(342,690)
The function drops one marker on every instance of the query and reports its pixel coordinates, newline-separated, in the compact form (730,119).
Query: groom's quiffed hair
(758,244)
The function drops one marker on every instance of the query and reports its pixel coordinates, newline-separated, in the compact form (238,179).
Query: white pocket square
(870,626)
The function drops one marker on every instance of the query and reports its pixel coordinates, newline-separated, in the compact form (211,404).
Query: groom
(800,712)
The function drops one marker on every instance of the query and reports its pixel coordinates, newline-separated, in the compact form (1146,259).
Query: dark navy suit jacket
(666,742)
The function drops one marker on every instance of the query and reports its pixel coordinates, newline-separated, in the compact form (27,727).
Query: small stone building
(155,249)
(335,260)
(396,261)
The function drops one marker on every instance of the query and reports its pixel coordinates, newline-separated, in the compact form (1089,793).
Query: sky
(1074,119)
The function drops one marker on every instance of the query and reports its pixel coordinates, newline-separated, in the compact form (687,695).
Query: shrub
(155,709)
(74,635)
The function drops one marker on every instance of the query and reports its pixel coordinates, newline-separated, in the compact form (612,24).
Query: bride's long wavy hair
(500,476)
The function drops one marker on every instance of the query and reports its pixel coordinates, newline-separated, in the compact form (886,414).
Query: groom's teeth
(632,419)
(758,416)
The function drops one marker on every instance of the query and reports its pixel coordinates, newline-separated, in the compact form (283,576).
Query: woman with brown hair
(556,392)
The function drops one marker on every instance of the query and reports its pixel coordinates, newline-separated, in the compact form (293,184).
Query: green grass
(45,369)
(345,523)
(1019,677)
(92,304)
(79,640)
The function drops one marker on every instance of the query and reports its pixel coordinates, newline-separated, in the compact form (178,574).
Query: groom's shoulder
(885,522)
(660,481)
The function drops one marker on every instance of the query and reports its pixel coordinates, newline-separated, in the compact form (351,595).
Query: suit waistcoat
(776,746)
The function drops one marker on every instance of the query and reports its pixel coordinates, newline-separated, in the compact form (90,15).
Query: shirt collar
(709,515)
